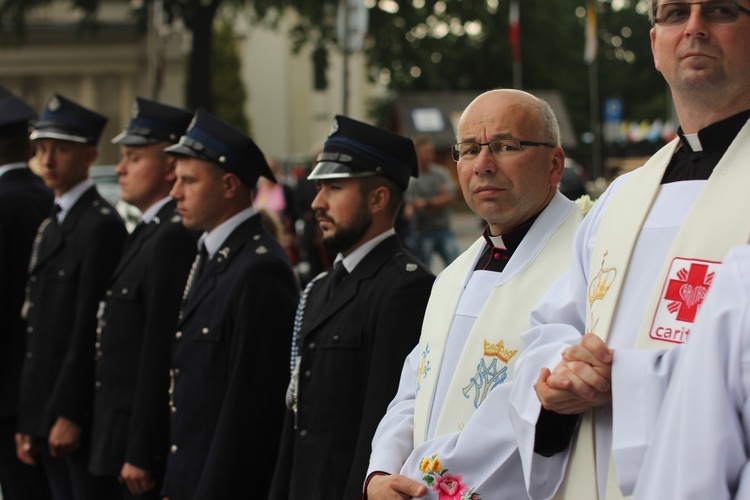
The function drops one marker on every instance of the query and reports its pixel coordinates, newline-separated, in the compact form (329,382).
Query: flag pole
(590,57)
(514,37)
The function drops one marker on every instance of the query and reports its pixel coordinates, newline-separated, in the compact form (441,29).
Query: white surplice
(701,444)
(481,449)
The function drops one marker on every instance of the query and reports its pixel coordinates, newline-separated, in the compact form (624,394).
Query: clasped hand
(581,381)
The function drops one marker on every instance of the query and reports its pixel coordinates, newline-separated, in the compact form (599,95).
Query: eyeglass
(714,11)
(468,151)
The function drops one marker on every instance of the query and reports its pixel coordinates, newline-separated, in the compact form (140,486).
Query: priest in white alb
(600,353)
(447,434)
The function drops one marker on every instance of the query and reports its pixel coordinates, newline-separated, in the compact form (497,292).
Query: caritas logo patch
(687,284)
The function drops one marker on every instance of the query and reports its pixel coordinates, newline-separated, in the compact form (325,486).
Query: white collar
(12,166)
(353,259)
(151,211)
(220,233)
(68,199)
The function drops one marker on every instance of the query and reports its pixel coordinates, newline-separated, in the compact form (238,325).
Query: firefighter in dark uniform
(358,322)
(76,250)
(130,435)
(231,344)
(24,203)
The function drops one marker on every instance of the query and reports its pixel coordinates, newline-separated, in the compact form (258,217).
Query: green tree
(228,89)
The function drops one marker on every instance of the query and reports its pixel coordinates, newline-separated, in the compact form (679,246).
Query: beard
(345,238)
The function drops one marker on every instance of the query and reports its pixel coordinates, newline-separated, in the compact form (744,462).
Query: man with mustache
(356,323)
(645,257)
(447,433)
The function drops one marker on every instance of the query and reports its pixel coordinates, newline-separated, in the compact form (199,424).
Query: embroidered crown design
(601,282)
(498,351)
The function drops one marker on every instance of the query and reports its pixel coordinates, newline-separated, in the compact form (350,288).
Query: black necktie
(338,275)
(201,262)
(56,209)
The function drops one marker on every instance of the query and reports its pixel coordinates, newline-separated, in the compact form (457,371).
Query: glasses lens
(720,12)
(505,146)
(674,13)
(466,150)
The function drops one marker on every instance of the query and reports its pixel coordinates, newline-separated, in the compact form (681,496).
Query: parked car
(574,180)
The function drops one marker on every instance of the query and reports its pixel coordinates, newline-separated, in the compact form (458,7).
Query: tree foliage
(228,89)
(450,45)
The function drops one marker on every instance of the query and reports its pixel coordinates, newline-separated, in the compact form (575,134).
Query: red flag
(514,31)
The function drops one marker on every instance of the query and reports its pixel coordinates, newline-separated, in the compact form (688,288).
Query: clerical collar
(717,136)
(698,154)
(499,249)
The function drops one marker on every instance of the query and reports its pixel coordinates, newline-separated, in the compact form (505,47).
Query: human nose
(318,202)
(176,191)
(45,157)
(120,168)
(486,161)
(696,22)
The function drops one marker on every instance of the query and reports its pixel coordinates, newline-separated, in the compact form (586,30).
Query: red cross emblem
(688,290)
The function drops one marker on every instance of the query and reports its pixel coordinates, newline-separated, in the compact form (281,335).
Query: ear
(91,154)
(557,166)
(653,41)
(379,198)
(170,166)
(232,185)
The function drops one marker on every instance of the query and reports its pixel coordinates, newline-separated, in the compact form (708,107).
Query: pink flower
(449,487)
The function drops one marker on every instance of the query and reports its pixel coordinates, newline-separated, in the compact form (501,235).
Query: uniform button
(308,374)
(98,384)
(173,409)
(61,273)
(176,372)
(33,279)
(97,345)
(99,330)
(178,335)
(311,346)
(109,293)
(124,291)
(204,331)
(173,448)
(496,255)
(303,434)
(336,338)
(29,355)
(29,329)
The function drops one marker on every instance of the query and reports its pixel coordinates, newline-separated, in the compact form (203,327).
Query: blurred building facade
(106,69)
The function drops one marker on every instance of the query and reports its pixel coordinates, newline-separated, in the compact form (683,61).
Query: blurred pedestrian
(77,249)
(24,203)
(130,436)
(230,346)
(355,323)
(430,197)
(279,199)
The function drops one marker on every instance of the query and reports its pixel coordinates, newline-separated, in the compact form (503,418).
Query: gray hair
(550,127)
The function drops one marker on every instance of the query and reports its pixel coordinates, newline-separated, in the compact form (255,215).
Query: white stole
(711,228)
(492,345)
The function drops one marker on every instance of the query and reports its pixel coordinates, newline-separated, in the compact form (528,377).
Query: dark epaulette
(407,263)
(103,208)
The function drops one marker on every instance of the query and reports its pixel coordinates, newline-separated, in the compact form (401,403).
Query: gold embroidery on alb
(598,288)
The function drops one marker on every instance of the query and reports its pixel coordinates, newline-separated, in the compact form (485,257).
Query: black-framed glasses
(713,11)
(468,151)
